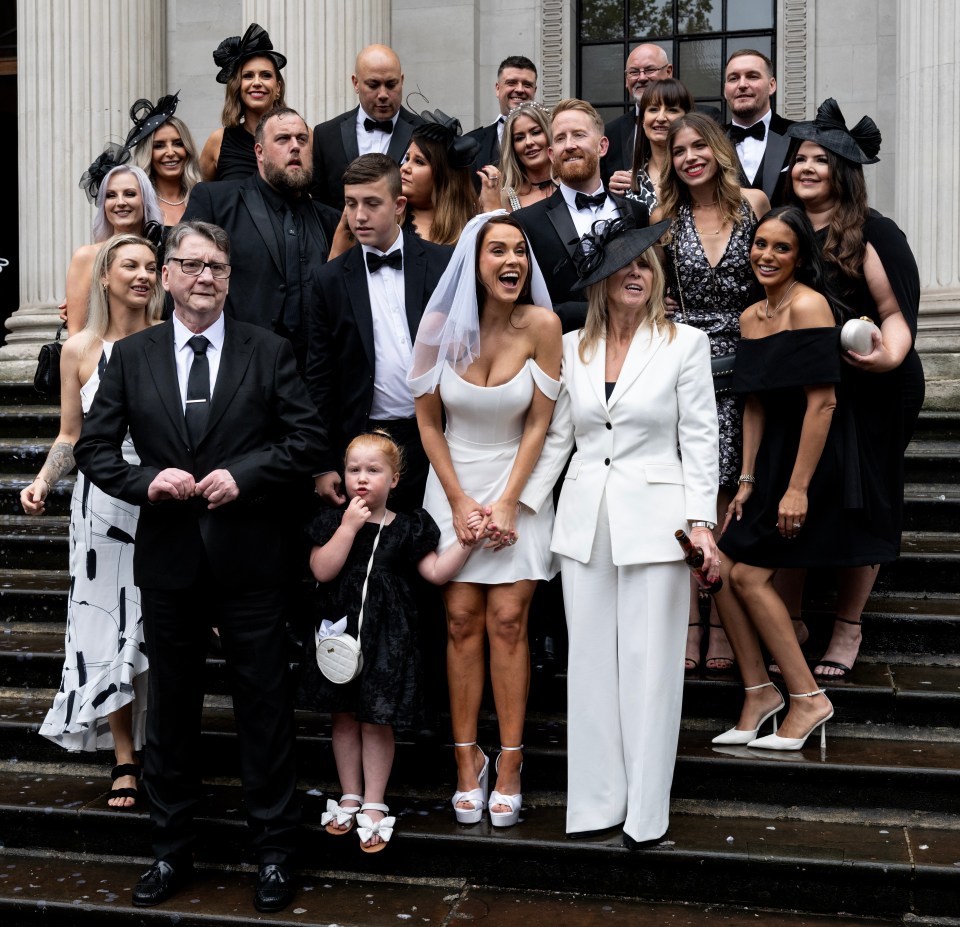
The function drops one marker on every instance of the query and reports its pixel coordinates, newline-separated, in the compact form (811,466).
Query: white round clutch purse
(857,335)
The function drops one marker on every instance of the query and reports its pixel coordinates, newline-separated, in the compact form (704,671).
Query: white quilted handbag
(338,654)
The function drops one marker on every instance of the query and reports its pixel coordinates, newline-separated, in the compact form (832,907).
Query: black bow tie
(378,125)
(738,133)
(582,201)
(393,259)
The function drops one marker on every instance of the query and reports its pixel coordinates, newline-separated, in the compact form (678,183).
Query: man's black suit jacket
(773,175)
(341,362)
(258,281)
(335,146)
(263,428)
(553,238)
(489,152)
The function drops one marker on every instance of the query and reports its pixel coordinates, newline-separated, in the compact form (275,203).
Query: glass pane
(601,19)
(609,113)
(601,74)
(749,14)
(760,43)
(699,16)
(700,67)
(651,17)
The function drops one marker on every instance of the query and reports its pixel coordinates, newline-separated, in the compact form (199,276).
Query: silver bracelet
(709,525)
(746,478)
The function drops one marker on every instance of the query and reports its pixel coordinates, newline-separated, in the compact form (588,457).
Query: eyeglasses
(193,268)
(634,73)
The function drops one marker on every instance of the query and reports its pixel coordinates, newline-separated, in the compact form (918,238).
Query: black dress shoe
(159,882)
(275,888)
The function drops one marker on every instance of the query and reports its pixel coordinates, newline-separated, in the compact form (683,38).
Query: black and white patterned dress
(105,664)
(713,298)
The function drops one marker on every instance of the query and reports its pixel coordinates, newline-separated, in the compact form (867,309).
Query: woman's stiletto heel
(737,737)
(476,797)
(513,802)
(775,742)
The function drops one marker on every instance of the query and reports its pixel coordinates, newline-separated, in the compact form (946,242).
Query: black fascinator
(113,156)
(446,130)
(861,144)
(234,50)
(148,117)
(609,246)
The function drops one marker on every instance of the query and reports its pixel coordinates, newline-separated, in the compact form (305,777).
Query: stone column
(928,111)
(80,64)
(321,40)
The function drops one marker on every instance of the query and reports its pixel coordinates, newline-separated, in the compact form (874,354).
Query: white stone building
(80,64)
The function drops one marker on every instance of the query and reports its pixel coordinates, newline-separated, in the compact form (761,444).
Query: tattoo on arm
(58,464)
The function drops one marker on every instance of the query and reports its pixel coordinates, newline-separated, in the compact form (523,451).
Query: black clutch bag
(47,378)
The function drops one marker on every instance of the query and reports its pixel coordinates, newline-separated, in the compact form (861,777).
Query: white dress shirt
(375,142)
(392,344)
(750,150)
(183,353)
(583,219)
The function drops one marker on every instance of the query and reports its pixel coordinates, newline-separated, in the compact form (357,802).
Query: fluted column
(80,64)
(321,40)
(928,180)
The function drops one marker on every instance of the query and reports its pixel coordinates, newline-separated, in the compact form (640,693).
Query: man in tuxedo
(516,83)
(378,124)
(758,134)
(224,430)
(554,226)
(363,322)
(280,237)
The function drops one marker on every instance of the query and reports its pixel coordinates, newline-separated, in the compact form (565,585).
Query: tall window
(697,36)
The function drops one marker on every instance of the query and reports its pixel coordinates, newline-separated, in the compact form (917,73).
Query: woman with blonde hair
(104,669)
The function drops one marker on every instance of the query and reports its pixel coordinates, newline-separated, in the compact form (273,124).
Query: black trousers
(176,628)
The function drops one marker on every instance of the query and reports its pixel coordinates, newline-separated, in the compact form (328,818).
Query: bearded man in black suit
(378,124)
(554,226)
(279,236)
(226,435)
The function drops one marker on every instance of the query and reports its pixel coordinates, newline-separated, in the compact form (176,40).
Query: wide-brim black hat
(610,246)
(828,130)
(234,50)
(148,117)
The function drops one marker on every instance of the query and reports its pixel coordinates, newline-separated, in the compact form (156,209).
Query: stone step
(931,507)
(69,889)
(30,421)
(11,484)
(871,868)
(33,542)
(933,461)
(19,455)
(24,394)
(934,425)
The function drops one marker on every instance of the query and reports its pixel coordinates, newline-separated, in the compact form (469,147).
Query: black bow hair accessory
(861,144)
(234,50)
(446,130)
(147,117)
(610,245)
(113,155)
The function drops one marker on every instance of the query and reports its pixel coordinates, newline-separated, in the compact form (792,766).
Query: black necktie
(738,133)
(375,261)
(291,242)
(582,201)
(378,125)
(198,391)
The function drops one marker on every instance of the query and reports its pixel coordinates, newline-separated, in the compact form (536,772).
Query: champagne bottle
(694,559)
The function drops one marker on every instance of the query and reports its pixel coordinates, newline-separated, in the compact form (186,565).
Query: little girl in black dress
(386,694)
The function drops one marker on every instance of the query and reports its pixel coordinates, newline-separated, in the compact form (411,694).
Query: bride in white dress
(487,356)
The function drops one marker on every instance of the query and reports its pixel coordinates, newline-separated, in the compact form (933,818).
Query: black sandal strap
(127,769)
(123,793)
(846,620)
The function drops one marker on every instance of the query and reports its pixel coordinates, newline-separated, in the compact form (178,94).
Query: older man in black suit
(225,433)
(758,134)
(554,226)
(378,124)
(280,237)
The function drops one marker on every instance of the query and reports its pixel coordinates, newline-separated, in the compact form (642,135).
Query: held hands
(500,525)
(176,485)
(464,510)
(33,497)
(356,515)
(703,538)
(791,513)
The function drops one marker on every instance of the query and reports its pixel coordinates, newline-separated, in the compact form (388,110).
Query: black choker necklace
(542,184)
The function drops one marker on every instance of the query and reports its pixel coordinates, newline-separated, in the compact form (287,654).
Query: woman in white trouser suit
(638,401)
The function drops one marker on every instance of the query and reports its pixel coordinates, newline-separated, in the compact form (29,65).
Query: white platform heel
(476,797)
(513,802)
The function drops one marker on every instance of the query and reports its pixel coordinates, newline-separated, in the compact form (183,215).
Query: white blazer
(654,447)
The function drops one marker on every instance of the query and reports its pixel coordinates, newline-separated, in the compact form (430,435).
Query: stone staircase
(869,828)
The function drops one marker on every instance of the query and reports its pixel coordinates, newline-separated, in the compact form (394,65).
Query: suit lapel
(774,156)
(596,371)
(355,280)
(234,361)
(641,351)
(253,200)
(414,273)
(559,217)
(348,134)
(163,368)
(627,139)
(400,137)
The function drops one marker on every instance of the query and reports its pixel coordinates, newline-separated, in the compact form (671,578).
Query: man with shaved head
(378,124)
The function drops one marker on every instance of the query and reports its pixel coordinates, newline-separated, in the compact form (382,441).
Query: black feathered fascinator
(609,246)
(148,117)
(113,156)
(234,50)
(439,127)
(828,130)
